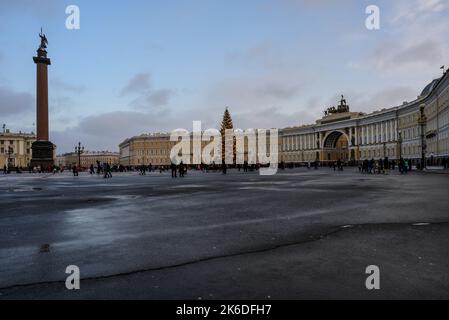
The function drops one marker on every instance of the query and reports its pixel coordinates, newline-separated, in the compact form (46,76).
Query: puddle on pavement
(189,186)
(122,197)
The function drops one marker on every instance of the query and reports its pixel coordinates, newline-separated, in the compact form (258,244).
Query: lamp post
(9,153)
(422,121)
(79,150)
(400,145)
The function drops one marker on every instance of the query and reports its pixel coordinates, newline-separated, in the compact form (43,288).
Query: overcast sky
(147,66)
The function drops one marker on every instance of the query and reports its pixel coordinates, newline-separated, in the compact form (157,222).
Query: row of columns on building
(386,131)
(300,142)
(382,132)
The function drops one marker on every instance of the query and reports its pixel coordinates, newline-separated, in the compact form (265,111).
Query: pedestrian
(107,171)
(224,167)
(181,170)
(173,170)
(405,166)
(75,171)
(371,166)
(98,167)
(386,165)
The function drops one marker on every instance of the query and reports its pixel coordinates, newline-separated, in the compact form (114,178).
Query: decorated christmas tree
(227,124)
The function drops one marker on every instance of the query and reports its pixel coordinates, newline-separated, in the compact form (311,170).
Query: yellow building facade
(155,149)
(146,149)
(394,132)
(15,149)
(88,158)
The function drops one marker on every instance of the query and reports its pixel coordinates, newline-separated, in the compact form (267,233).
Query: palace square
(299,234)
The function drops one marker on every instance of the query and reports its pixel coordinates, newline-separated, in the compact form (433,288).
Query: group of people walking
(383,166)
(104,169)
(181,168)
(336,165)
(143,169)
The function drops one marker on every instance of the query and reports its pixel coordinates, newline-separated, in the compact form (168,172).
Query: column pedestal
(42,154)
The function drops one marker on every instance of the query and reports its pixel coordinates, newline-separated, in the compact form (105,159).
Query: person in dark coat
(107,171)
(98,167)
(181,170)
(224,167)
(173,170)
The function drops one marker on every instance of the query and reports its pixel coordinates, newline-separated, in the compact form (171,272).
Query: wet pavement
(299,234)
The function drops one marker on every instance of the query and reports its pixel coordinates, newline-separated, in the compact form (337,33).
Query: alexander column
(42,148)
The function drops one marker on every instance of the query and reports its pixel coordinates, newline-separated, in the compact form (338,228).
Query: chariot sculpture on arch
(342,108)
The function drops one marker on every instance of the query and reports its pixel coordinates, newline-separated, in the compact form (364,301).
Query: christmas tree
(226,124)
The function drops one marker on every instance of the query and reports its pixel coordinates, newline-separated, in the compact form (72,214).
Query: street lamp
(79,150)
(9,153)
(400,145)
(422,121)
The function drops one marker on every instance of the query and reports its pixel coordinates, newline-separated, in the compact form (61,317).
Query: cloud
(249,92)
(145,97)
(154,101)
(107,130)
(432,5)
(160,97)
(421,9)
(278,90)
(410,41)
(394,55)
(100,132)
(15,103)
(140,83)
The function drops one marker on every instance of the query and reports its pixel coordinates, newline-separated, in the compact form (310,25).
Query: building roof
(7,133)
(428,89)
(90,154)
